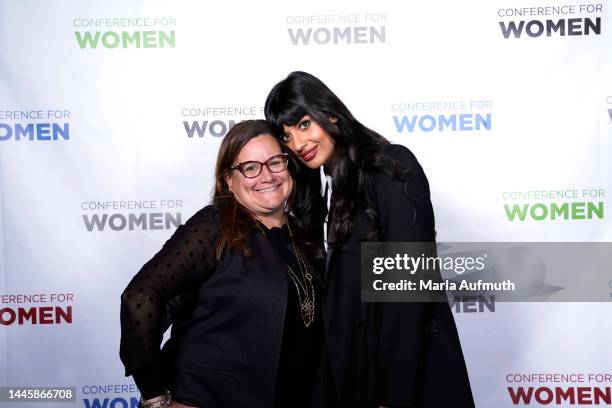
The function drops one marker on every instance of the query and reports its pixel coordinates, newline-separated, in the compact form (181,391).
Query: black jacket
(391,354)
(227,319)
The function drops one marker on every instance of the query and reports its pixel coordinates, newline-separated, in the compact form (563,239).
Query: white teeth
(267,190)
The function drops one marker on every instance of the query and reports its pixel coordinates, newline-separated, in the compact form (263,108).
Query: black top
(161,285)
(301,345)
(166,287)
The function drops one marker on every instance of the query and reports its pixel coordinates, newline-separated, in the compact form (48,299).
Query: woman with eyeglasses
(376,354)
(240,284)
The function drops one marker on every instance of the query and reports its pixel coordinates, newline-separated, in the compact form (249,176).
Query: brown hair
(235,221)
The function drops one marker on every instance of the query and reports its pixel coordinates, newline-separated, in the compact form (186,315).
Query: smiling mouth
(308,155)
(267,190)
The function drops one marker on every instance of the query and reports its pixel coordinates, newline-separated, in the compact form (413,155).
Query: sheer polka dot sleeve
(183,263)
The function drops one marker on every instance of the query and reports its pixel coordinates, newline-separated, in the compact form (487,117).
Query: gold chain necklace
(305,287)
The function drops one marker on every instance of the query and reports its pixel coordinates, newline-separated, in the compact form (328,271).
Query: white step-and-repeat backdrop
(111,115)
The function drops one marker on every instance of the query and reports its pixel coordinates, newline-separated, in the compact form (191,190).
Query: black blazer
(226,341)
(391,354)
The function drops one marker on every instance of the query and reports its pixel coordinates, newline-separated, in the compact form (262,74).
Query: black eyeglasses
(252,169)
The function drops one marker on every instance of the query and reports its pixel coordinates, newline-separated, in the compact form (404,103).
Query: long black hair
(358,150)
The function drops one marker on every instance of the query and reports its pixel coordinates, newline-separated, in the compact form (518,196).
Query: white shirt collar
(323,180)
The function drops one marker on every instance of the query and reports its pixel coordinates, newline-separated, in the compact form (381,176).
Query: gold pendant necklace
(305,286)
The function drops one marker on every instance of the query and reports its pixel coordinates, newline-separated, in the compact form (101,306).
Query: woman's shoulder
(383,184)
(400,153)
(207,216)
(209,211)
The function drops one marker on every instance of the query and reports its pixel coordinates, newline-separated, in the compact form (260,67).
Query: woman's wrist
(160,401)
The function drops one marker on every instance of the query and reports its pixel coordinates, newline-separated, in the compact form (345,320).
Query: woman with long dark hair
(239,284)
(376,354)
